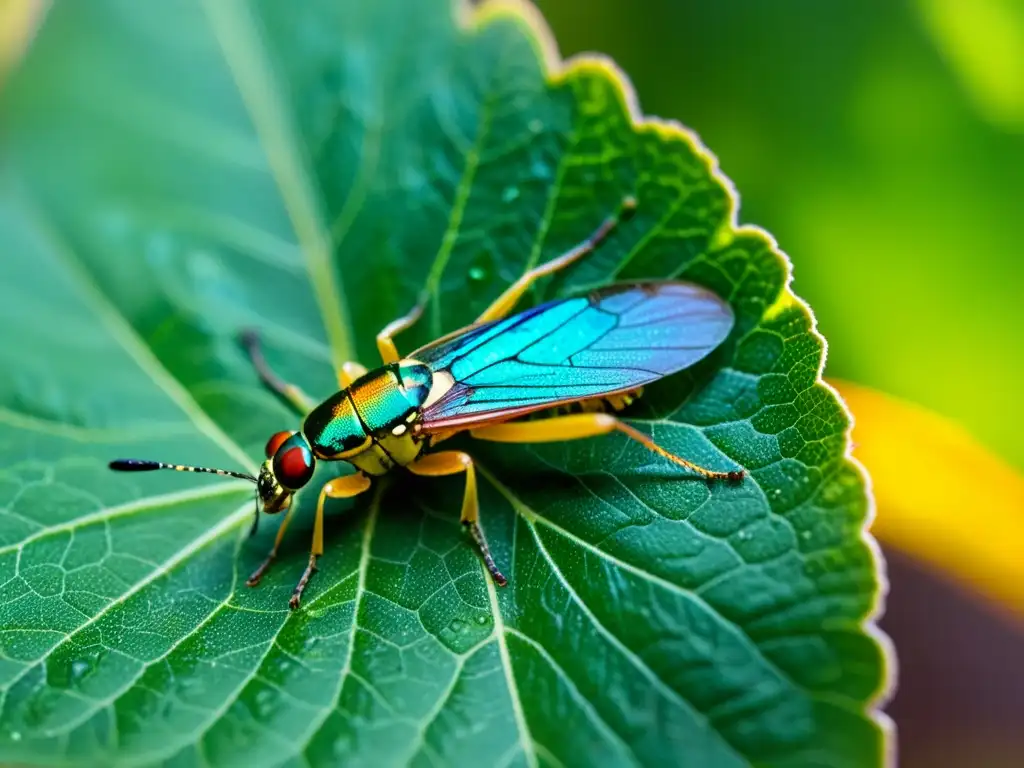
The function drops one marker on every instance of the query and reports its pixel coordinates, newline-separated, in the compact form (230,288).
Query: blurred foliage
(17,21)
(985,47)
(882,144)
(925,472)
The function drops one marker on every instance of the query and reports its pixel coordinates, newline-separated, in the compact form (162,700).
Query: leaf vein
(525,739)
(239,38)
(346,669)
(207,537)
(142,354)
(638,663)
(584,703)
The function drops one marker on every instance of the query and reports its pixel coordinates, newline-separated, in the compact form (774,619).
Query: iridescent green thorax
(378,406)
(333,428)
(388,396)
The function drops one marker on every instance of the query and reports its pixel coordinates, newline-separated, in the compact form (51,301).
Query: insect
(596,351)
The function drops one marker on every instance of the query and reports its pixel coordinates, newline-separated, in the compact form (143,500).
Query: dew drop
(343,747)
(540,170)
(265,702)
(456,625)
(535,125)
(283,664)
(511,194)
(480,269)
(79,669)
(483,620)
(15,735)
(310,642)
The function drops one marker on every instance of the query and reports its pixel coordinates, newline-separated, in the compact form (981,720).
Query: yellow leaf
(941,496)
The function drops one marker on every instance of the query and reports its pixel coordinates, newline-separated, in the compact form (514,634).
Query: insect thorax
(370,423)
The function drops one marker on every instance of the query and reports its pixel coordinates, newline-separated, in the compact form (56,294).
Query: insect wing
(614,340)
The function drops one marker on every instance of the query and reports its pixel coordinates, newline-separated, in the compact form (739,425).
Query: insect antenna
(144,465)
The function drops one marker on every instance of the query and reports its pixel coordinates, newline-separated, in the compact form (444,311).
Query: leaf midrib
(124,333)
(238,36)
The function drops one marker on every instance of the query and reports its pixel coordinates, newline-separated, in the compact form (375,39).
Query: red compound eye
(293,464)
(275,442)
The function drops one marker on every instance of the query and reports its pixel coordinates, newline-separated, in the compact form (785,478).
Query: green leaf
(173,173)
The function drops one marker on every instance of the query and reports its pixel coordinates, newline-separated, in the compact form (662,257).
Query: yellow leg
(507,301)
(581,425)
(451,463)
(341,488)
(385,339)
(253,580)
(350,372)
(295,397)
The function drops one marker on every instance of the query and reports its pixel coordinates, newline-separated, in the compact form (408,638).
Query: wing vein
(570,349)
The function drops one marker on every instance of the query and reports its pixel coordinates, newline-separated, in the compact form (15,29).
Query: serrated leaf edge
(558,70)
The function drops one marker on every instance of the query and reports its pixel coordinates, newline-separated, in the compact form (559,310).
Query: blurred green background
(882,143)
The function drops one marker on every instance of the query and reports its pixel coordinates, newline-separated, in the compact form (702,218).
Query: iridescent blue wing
(613,340)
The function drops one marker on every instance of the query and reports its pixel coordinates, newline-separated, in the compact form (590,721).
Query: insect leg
(253,580)
(350,372)
(451,463)
(581,425)
(341,488)
(294,396)
(385,339)
(507,301)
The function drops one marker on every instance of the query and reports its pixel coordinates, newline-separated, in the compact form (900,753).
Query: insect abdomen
(604,404)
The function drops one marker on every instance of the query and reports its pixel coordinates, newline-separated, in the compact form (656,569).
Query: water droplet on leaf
(265,702)
(510,194)
(540,170)
(343,747)
(79,669)
(480,269)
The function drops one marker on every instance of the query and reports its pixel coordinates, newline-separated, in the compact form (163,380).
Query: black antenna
(144,465)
